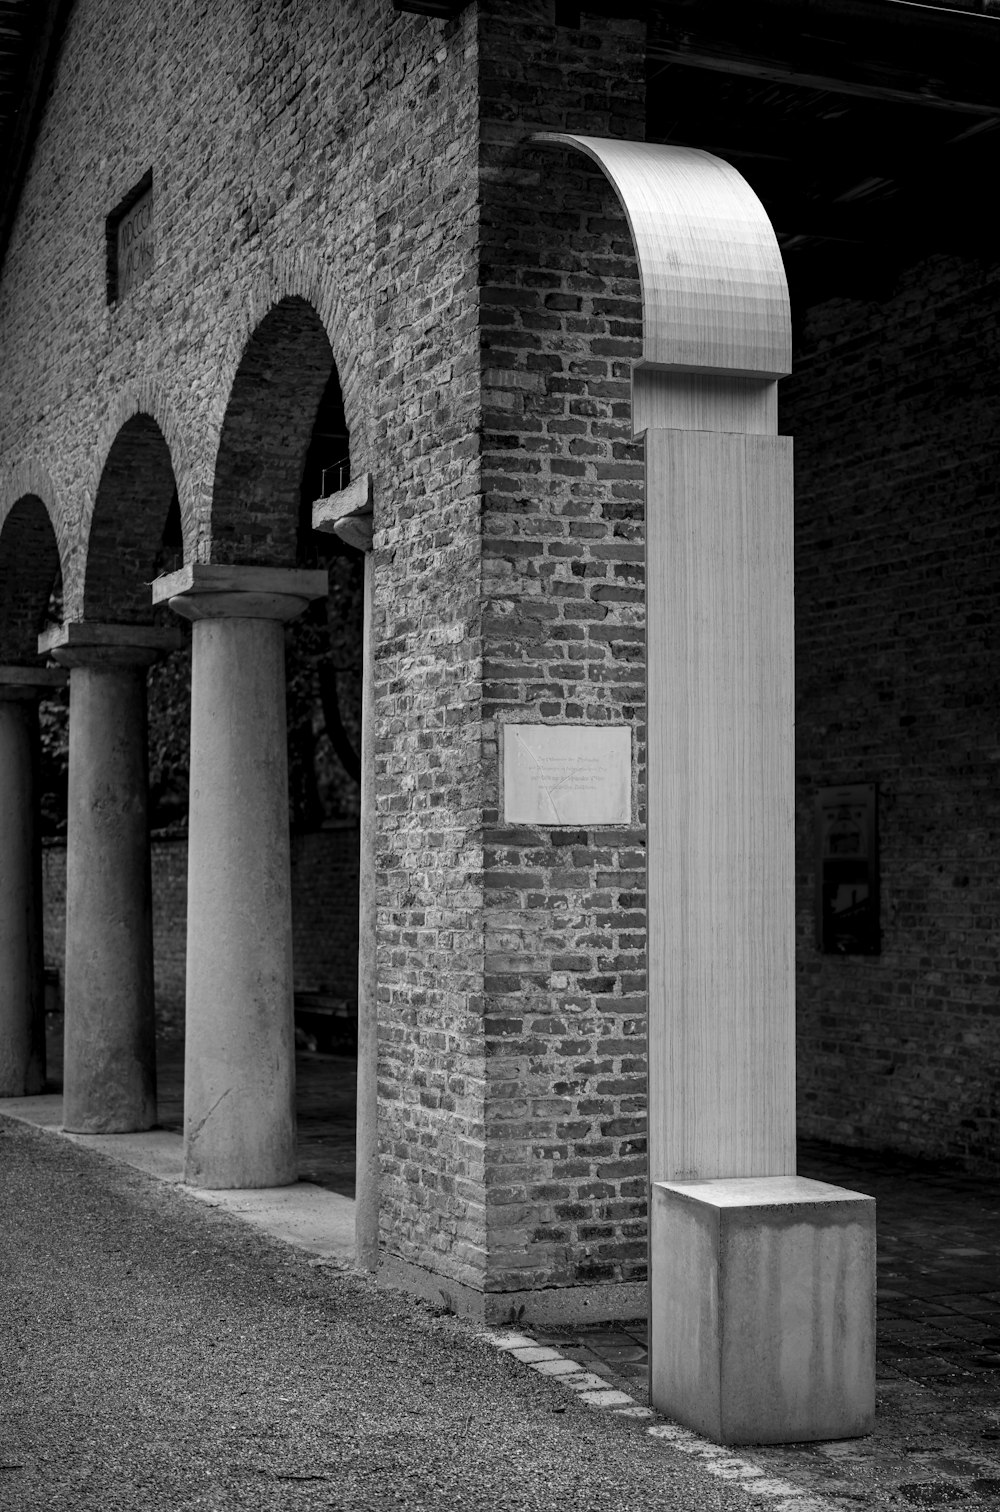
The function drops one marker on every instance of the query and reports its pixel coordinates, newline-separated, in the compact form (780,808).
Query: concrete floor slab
(43,1111)
(304,1215)
(308,1216)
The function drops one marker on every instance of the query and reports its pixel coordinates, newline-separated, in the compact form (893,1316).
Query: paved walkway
(159,1356)
(325,1106)
(937,1440)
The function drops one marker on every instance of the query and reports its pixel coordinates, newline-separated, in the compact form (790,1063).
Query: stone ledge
(221,577)
(348,514)
(20,684)
(222,591)
(553,1304)
(32,677)
(93,634)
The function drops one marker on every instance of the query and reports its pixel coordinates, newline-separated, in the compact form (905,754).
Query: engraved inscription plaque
(567,774)
(135,244)
(129,235)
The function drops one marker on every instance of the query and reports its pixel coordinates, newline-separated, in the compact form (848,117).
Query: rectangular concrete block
(762,1309)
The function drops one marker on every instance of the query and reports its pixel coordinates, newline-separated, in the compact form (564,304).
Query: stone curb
(596,1392)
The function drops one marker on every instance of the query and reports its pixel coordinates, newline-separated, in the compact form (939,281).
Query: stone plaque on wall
(130,240)
(135,244)
(567,774)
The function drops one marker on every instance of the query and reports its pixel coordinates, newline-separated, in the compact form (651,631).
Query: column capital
(215,590)
(88,643)
(348,514)
(27,683)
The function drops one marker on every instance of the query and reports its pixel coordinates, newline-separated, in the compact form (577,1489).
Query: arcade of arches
(284,412)
(409,309)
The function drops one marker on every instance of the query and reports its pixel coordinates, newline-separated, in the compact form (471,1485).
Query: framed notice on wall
(847,875)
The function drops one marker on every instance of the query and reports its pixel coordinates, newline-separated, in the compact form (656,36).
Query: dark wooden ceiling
(869,128)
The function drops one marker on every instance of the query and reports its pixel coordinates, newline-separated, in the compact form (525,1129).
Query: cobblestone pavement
(937,1437)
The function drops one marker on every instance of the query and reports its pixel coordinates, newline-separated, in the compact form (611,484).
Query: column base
(138,1121)
(762,1309)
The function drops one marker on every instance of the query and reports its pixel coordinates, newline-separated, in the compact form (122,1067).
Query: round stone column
(22,976)
(239,1071)
(109,1074)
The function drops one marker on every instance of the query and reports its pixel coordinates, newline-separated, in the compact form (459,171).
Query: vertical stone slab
(720,805)
(239,1067)
(720,854)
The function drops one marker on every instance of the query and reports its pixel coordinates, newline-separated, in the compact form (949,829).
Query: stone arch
(131,506)
(31,560)
(298,275)
(30,477)
(29,573)
(286,368)
(148,398)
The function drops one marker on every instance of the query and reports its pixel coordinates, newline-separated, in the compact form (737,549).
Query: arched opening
(284,443)
(135,527)
(32,751)
(31,591)
(30,579)
(278,396)
(136,534)
(107,640)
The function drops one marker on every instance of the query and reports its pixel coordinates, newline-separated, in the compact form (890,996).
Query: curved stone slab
(714,294)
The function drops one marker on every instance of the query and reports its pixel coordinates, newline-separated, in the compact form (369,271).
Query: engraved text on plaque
(567,774)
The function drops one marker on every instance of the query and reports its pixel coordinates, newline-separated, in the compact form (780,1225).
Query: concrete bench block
(762,1309)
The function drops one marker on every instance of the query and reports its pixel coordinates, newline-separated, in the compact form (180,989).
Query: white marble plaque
(567,774)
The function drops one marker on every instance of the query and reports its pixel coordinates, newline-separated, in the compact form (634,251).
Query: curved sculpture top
(714,294)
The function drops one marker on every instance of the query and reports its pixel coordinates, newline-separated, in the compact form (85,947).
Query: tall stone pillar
(239,1073)
(109,1073)
(348,514)
(22,980)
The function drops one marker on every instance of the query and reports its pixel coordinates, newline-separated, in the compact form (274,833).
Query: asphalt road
(157,1354)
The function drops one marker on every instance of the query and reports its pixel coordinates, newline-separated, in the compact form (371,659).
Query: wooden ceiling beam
(906,54)
(780,72)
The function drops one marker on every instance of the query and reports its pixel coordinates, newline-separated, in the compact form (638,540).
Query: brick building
(240,239)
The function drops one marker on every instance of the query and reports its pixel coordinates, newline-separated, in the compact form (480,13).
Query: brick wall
(325,911)
(563,641)
(326,160)
(894,411)
(384,193)
(427,664)
(480,301)
(324,916)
